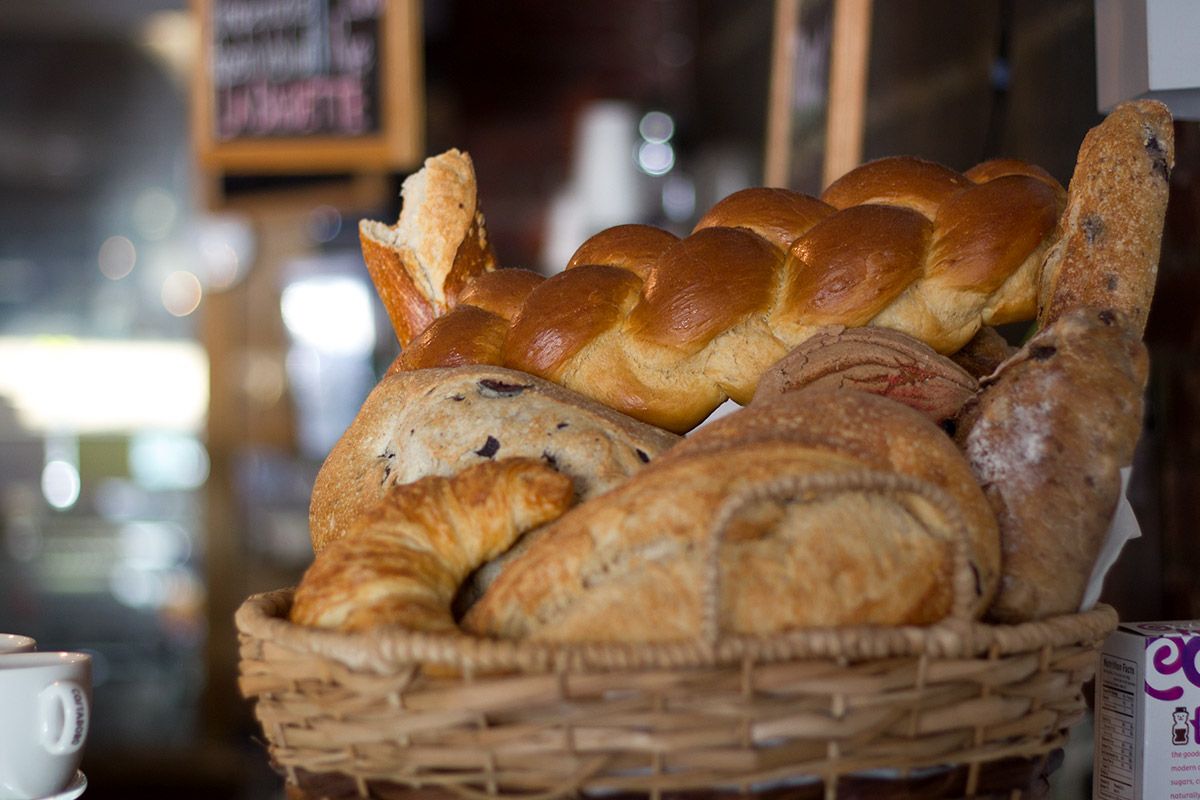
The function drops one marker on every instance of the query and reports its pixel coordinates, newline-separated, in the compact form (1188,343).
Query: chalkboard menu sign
(309,85)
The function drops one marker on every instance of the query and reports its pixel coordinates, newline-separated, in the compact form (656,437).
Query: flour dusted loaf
(438,421)
(1047,438)
(629,566)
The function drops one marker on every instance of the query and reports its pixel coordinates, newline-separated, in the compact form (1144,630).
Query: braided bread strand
(665,329)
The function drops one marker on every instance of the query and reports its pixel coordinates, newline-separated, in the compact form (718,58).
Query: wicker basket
(955,709)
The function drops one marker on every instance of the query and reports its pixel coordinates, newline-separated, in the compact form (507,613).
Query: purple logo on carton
(1170,655)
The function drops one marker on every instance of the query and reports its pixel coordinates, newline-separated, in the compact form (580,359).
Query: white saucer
(74,789)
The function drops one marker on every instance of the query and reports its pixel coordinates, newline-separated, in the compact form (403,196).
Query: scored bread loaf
(1046,438)
(874,360)
(402,561)
(630,565)
(881,433)
(1106,253)
(439,243)
(665,329)
(438,421)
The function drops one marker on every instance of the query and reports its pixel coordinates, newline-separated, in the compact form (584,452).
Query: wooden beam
(849,59)
(778,164)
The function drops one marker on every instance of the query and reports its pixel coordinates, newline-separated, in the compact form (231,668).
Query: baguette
(421,264)
(1107,248)
(1046,438)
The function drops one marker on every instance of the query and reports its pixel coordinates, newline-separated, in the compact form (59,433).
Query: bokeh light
(154,213)
(331,314)
(117,257)
(181,293)
(60,484)
(656,158)
(656,126)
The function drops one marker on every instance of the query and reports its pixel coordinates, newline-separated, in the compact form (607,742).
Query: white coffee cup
(15,643)
(47,702)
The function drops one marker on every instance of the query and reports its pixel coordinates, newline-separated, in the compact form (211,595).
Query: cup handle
(65,714)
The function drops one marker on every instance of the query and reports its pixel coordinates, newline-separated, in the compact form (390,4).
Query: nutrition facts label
(1116,735)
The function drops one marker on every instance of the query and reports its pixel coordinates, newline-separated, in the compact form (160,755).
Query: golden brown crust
(875,431)
(629,247)
(1046,439)
(984,234)
(438,421)
(999,167)
(903,181)
(565,313)
(502,292)
(851,265)
(1106,254)
(844,559)
(705,284)
(777,215)
(402,561)
(406,306)
(467,335)
(437,246)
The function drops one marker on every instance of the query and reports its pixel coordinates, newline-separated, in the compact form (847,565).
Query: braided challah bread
(665,329)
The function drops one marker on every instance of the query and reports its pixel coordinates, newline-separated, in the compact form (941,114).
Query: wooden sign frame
(399,143)
(845,118)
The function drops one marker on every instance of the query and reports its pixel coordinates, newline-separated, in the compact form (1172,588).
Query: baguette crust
(421,264)
(1107,249)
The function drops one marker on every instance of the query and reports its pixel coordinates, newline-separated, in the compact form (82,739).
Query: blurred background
(186,325)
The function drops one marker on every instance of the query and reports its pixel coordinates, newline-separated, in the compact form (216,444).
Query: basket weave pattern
(757,713)
(807,713)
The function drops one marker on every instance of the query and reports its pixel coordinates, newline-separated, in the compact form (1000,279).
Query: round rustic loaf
(630,565)
(439,421)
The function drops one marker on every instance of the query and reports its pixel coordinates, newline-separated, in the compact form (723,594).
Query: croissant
(402,562)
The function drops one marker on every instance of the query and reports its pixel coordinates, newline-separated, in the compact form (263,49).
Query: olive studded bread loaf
(438,421)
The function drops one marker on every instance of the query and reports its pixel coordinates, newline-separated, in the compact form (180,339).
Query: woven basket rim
(388,650)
